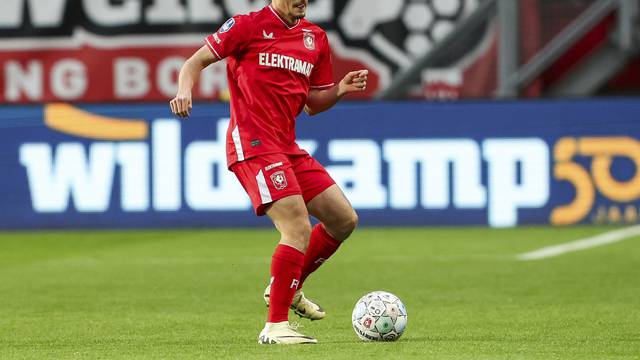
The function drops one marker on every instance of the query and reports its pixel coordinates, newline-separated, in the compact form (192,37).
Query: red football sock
(286,266)
(321,247)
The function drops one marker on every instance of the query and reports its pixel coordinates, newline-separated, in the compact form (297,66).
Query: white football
(379,316)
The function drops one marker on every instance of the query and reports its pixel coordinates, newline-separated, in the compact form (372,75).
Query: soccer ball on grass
(379,316)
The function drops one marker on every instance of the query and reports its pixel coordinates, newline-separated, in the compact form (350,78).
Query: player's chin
(299,13)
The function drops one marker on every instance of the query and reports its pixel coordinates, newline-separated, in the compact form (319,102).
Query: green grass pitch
(197,295)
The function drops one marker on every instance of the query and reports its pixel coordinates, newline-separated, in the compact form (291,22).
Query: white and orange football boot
(300,305)
(283,333)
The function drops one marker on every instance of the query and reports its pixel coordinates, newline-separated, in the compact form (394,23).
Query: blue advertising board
(408,164)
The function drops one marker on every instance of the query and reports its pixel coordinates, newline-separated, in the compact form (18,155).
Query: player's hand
(181,105)
(355,81)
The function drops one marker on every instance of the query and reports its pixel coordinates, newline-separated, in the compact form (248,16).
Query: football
(379,316)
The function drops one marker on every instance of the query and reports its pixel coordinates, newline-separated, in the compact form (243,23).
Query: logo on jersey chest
(266,35)
(279,180)
(309,40)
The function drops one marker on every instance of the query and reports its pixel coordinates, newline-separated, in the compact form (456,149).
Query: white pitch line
(581,244)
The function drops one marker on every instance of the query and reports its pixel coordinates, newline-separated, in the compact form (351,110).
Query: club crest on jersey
(309,40)
(279,180)
(227,25)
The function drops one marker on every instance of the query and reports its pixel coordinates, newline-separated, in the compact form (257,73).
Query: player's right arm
(181,105)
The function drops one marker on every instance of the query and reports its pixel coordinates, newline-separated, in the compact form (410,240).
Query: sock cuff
(290,254)
(324,235)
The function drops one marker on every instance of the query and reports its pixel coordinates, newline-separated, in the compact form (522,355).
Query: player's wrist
(342,90)
(183,94)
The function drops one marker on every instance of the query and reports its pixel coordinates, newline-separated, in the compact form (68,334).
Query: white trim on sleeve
(322,86)
(212,48)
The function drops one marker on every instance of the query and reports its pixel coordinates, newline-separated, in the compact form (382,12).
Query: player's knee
(350,223)
(345,226)
(296,229)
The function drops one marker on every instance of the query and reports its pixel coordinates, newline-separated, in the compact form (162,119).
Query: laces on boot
(294,325)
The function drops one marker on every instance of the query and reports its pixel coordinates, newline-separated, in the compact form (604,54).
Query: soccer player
(279,64)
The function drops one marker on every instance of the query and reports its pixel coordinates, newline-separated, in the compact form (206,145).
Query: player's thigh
(333,209)
(312,177)
(324,199)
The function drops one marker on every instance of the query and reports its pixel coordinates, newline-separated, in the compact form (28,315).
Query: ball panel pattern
(379,316)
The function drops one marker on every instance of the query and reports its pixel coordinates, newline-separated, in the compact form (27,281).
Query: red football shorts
(271,177)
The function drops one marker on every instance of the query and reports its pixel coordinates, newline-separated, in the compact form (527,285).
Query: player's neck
(283,14)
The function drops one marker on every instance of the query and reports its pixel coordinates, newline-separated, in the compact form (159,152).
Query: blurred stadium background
(480,113)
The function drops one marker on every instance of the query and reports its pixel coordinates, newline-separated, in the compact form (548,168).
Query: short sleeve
(231,38)
(322,74)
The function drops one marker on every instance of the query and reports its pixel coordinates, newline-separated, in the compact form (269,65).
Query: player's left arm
(323,100)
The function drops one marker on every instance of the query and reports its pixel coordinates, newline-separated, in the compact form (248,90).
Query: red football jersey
(271,67)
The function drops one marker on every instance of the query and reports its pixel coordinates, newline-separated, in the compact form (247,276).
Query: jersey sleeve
(231,38)
(322,74)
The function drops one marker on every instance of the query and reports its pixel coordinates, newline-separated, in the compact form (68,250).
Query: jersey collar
(281,19)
